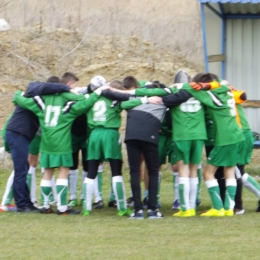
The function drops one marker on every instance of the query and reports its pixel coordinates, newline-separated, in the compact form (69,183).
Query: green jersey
(56,114)
(221,108)
(104,114)
(210,129)
(107,113)
(154,91)
(142,83)
(242,117)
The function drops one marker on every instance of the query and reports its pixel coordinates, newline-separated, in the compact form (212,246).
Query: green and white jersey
(188,121)
(56,114)
(210,129)
(104,114)
(243,119)
(221,108)
(107,113)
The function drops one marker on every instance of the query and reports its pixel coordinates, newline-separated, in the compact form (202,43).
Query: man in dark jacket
(20,131)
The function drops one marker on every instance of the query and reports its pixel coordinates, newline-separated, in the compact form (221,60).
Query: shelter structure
(231,37)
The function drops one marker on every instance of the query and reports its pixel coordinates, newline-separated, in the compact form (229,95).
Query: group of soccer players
(176,121)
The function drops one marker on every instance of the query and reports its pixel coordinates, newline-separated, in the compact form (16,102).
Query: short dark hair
(53,79)
(205,77)
(68,77)
(130,82)
(117,84)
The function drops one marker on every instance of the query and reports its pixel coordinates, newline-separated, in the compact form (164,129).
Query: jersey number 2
(100,109)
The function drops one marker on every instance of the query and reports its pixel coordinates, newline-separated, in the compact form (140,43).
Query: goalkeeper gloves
(204,86)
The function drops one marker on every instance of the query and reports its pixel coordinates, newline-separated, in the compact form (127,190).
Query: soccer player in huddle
(227,141)
(221,107)
(188,135)
(56,114)
(143,140)
(80,132)
(104,143)
(244,158)
(20,131)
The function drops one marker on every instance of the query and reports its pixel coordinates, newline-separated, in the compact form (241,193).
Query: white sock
(45,198)
(89,188)
(53,187)
(96,191)
(119,191)
(73,181)
(61,199)
(32,171)
(185,181)
(8,187)
(100,168)
(176,186)
(233,183)
(252,185)
(193,191)
(84,175)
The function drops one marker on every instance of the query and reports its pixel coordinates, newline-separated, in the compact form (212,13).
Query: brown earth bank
(174,24)
(36,53)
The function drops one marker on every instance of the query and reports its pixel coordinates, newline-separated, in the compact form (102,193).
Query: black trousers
(75,157)
(151,157)
(115,165)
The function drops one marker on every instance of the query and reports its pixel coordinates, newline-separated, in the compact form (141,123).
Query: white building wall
(243,56)
(253,117)
(213,33)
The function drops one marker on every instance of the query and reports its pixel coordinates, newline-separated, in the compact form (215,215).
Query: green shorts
(78,143)
(189,151)
(35,145)
(227,155)
(246,149)
(165,148)
(104,144)
(56,160)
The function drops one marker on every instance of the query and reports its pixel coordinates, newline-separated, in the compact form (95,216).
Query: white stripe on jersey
(40,102)
(215,99)
(68,106)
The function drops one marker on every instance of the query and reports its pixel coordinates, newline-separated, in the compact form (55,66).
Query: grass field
(104,235)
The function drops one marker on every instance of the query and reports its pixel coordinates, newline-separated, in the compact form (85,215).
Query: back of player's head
(130,82)
(97,82)
(154,84)
(53,79)
(158,84)
(117,84)
(68,77)
(205,77)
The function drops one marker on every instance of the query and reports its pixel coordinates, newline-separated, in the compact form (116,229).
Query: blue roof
(231,1)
